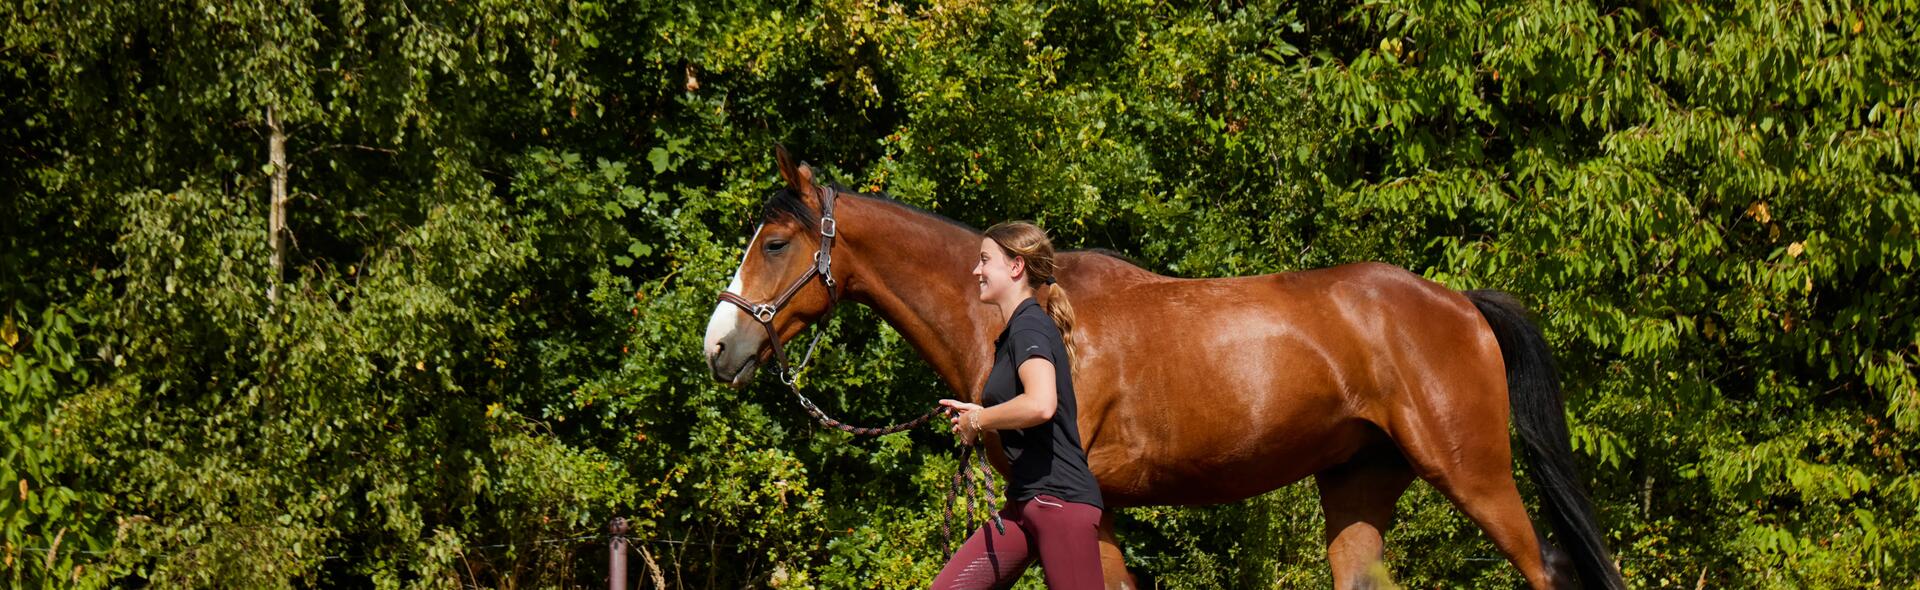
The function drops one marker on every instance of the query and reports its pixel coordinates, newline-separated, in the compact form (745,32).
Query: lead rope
(965,487)
(976,489)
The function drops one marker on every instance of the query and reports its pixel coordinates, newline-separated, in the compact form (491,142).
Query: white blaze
(726,316)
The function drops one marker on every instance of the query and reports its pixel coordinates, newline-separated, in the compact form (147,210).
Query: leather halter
(977,488)
(822,267)
(765,312)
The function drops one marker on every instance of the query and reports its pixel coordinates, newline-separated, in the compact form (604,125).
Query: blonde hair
(1029,242)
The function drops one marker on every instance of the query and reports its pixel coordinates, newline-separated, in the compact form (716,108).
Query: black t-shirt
(1046,458)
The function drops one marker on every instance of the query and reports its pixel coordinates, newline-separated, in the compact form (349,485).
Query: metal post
(617,554)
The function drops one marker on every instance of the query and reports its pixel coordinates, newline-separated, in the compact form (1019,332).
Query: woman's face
(998,275)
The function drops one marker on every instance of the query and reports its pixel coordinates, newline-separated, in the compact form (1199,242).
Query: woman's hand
(964,418)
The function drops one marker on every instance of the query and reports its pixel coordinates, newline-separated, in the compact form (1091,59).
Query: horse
(1204,391)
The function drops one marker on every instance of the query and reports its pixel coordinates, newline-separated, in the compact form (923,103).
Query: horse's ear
(798,175)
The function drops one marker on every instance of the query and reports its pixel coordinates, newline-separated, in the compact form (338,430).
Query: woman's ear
(1017,268)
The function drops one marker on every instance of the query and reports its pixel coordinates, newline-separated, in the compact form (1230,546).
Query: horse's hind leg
(1113,565)
(1493,502)
(1470,460)
(1358,497)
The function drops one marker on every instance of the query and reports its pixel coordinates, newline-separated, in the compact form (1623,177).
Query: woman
(1053,504)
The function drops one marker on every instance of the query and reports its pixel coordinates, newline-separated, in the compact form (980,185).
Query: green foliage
(510,218)
(1717,211)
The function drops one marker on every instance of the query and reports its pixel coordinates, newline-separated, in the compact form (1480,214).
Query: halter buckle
(827,226)
(764,313)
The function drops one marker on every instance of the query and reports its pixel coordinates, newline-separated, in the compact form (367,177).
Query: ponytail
(1061,310)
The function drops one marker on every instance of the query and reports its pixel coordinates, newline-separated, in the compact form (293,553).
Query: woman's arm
(1031,408)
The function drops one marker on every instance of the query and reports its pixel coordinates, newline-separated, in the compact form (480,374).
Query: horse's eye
(776,246)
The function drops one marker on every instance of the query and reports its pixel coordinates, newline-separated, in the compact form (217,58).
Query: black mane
(1110,253)
(786,202)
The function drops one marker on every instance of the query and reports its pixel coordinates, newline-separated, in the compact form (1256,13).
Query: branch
(350,146)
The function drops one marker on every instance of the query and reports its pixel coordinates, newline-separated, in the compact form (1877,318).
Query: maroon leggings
(1064,535)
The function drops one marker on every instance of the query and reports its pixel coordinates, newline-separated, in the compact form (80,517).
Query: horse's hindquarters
(1213,391)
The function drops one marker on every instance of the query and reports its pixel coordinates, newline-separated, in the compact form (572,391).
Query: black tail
(1533,388)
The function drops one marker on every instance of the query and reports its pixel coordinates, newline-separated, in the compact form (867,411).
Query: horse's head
(781,256)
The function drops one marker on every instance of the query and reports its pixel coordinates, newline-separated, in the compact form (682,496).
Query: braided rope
(974,488)
(830,422)
(976,495)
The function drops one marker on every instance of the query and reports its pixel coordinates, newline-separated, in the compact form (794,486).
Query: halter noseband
(822,267)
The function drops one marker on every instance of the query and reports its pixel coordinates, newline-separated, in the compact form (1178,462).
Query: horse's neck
(913,269)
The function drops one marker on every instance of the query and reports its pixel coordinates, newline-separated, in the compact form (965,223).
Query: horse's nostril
(718,348)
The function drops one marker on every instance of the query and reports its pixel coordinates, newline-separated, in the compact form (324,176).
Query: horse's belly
(1208,461)
(1227,480)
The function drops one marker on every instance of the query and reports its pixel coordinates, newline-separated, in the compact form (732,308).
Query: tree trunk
(277,212)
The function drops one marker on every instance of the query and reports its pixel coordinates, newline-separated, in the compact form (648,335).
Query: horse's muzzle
(735,377)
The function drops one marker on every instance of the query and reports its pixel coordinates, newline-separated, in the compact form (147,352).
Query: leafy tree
(500,227)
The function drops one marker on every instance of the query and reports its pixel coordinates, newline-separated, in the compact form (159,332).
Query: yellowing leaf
(9,333)
(1794,250)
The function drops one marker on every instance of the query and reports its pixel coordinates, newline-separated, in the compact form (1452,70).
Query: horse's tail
(1533,388)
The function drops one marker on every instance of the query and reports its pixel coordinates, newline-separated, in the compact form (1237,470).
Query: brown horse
(1201,391)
